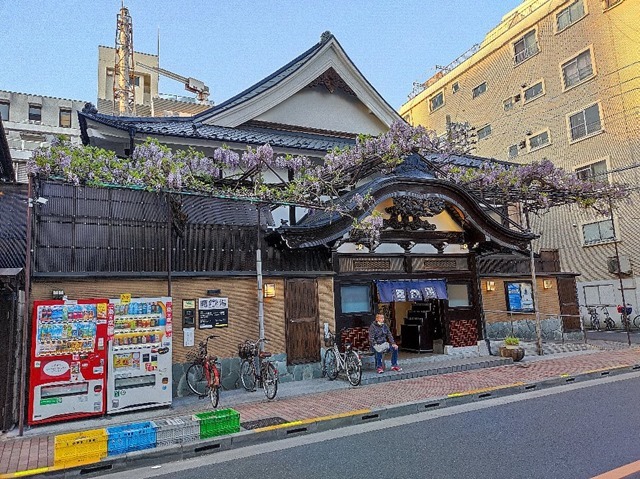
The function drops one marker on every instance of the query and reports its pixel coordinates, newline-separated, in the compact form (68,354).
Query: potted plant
(512,349)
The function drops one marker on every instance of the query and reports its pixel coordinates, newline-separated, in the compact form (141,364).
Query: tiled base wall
(463,333)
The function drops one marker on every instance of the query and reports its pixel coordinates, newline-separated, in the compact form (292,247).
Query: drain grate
(269,421)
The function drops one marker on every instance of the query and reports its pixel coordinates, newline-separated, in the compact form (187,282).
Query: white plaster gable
(289,101)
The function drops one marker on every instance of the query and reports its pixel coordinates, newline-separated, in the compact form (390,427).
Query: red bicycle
(203,376)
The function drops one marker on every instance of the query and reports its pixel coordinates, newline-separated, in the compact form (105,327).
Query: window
(596,170)
(484,132)
(519,296)
(569,15)
(458,295)
(65,118)
(35,112)
(136,81)
(508,104)
(598,232)
(611,3)
(355,298)
(585,122)
(436,101)
(577,69)
(455,87)
(513,151)
(480,89)
(533,91)
(525,47)
(4,110)
(599,294)
(539,140)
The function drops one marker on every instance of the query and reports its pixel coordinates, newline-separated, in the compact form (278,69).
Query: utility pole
(625,319)
(259,278)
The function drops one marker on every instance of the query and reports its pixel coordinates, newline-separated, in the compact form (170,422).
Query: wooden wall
(494,303)
(243,306)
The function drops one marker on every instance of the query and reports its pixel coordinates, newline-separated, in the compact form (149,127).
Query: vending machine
(139,333)
(68,360)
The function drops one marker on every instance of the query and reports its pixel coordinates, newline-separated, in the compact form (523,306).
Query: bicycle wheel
(214,396)
(636,321)
(270,380)
(248,375)
(354,368)
(331,364)
(609,324)
(196,380)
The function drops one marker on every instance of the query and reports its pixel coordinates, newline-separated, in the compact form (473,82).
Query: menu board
(213,313)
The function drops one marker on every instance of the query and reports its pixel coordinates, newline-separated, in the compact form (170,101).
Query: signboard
(213,313)
(520,297)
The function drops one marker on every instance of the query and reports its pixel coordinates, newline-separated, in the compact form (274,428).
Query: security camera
(574,225)
(41,200)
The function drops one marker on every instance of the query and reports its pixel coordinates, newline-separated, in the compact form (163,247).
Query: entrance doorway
(420,325)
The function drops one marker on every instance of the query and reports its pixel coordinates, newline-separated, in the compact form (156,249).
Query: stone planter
(514,352)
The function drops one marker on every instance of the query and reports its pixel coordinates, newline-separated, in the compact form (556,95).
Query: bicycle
(609,323)
(203,376)
(266,377)
(593,315)
(335,362)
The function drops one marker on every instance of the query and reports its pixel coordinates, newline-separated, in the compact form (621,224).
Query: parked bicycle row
(599,317)
(256,369)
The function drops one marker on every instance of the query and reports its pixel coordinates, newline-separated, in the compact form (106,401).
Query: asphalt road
(574,431)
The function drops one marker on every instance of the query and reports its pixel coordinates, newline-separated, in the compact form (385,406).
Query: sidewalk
(321,399)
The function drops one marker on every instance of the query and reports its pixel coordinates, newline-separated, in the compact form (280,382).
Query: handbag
(381,348)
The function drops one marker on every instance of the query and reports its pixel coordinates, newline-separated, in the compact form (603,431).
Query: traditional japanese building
(423,273)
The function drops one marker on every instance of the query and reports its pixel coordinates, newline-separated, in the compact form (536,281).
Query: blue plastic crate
(131,437)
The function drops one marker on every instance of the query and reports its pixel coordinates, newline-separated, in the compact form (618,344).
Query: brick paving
(20,454)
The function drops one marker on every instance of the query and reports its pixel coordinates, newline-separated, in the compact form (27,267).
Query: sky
(50,47)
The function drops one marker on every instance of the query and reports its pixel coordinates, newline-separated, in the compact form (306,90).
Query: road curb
(176,452)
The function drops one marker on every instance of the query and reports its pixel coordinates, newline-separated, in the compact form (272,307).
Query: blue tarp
(411,290)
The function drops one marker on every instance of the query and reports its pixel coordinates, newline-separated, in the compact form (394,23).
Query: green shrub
(511,341)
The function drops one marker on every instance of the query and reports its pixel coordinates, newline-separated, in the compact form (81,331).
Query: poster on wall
(520,297)
(213,313)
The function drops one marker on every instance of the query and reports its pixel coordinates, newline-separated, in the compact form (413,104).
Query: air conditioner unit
(624,268)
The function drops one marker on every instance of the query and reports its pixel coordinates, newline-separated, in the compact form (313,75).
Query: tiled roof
(267,82)
(190,128)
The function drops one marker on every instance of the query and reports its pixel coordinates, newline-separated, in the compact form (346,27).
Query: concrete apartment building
(558,80)
(148,101)
(33,120)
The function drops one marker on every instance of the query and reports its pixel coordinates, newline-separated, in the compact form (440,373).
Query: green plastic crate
(218,422)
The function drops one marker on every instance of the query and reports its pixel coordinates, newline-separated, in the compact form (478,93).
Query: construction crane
(190,84)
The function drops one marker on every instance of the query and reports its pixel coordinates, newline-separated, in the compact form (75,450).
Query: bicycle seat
(264,354)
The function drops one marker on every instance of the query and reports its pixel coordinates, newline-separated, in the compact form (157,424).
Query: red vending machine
(68,360)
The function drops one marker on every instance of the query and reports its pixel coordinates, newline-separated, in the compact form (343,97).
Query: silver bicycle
(335,362)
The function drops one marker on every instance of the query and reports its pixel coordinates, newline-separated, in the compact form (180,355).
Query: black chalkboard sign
(213,313)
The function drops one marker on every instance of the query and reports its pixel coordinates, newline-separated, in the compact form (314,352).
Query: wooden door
(568,297)
(301,315)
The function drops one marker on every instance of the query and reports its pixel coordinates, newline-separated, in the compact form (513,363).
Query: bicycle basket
(246,350)
(193,356)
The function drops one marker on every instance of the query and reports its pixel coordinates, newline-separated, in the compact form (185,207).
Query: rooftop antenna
(124,74)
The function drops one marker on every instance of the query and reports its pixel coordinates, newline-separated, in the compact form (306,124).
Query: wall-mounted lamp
(269,290)
(213,292)
(547,283)
(464,246)
(491,285)
(359,246)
